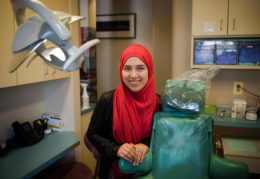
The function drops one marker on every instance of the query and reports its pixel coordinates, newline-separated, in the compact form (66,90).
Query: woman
(121,123)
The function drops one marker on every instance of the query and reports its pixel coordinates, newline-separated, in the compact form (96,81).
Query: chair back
(180,147)
(91,148)
(95,153)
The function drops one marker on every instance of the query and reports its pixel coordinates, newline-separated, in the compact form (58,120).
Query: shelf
(91,108)
(226,66)
(234,122)
(237,53)
(25,162)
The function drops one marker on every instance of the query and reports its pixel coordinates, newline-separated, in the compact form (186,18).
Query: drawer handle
(46,70)
(54,71)
(221,24)
(234,24)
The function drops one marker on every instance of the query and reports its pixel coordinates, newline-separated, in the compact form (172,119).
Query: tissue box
(204,52)
(249,53)
(226,52)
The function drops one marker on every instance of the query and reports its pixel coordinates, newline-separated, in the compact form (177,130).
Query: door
(209,17)
(244,17)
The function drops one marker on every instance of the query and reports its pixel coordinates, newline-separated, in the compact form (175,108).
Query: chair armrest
(227,169)
(144,167)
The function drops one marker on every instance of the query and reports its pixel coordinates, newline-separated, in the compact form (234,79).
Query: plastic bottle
(85,97)
(233,112)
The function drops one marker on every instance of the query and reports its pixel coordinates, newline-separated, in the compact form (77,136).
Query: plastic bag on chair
(186,94)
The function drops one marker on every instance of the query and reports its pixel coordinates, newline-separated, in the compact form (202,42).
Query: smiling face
(135,74)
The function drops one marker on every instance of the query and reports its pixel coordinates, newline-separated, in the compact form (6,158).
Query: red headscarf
(133,111)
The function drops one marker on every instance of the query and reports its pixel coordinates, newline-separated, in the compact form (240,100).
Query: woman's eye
(127,68)
(140,68)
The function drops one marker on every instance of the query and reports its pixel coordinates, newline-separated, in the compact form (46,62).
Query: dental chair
(181,144)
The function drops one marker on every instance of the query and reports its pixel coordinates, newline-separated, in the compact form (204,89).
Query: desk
(25,162)
(243,150)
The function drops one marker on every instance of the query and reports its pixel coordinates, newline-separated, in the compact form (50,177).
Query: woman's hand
(141,150)
(127,151)
(133,153)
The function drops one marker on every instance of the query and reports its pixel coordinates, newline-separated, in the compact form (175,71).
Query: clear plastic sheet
(205,75)
(186,94)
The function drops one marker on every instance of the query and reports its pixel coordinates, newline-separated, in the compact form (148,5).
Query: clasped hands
(134,153)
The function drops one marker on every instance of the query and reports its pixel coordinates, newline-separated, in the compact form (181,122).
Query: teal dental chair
(181,144)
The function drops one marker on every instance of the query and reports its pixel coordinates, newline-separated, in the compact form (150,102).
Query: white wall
(162,42)
(148,16)
(84,12)
(58,99)
(109,51)
(181,37)
(23,103)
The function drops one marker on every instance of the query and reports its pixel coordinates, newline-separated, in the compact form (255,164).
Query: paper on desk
(241,145)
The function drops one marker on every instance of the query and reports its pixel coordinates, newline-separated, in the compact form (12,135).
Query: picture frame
(116,26)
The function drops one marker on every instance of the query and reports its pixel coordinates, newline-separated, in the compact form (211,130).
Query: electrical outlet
(236,89)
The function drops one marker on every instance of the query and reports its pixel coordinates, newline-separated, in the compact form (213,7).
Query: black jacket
(100,133)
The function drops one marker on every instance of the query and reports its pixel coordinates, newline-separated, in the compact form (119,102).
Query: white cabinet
(49,72)
(209,17)
(6,36)
(52,74)
(225,17)
(32,74)
(244,17)
(40,70)
(37,71)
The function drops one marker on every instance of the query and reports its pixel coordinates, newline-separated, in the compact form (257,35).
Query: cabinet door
(39,71)
(244,17)
(58,5)
(209,17)
(32,74)
(57,74)
(35,71)
(52,74)
(6,36)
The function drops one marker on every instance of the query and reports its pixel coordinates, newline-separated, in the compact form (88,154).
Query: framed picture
(116,26)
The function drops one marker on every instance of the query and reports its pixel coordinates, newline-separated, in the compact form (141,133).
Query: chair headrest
(186,97)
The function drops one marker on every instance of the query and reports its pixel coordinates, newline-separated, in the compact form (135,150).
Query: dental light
(30,38)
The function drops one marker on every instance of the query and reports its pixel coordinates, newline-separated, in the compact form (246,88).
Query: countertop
(235,122)
(25,162)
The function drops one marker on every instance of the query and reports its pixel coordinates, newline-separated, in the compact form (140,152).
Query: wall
(221,91)
(19,103)
(162,42)
(147,15)
(181,29)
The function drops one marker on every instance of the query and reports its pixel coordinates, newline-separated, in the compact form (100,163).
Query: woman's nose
(133,73)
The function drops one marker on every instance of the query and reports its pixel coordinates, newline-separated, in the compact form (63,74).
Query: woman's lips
(134,83)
